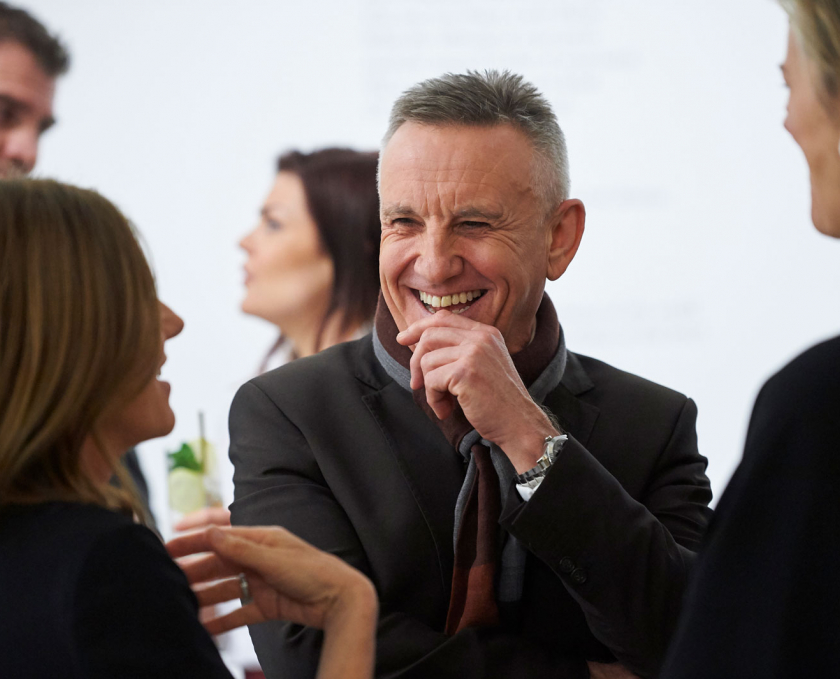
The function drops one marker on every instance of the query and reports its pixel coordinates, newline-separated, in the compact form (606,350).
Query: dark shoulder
(612,384)
(802,397)
(810,379)
(59,523)
(343,368)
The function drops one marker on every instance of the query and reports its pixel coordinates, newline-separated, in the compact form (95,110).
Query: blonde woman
(766,598)
(85,591)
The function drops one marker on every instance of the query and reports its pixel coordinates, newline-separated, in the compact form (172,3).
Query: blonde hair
(816,25)
(79,337)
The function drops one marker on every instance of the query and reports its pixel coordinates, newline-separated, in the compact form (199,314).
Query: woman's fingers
(191,543)
(246,615)
(201,518)
(206,568)
(264,556)
(218,592)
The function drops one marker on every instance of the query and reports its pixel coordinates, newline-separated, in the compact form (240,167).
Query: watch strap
(553,446)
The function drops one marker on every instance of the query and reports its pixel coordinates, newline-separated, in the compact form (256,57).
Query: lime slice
(186,490)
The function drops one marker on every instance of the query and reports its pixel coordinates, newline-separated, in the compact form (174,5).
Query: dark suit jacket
(334,450)
(85,593)
(766,599)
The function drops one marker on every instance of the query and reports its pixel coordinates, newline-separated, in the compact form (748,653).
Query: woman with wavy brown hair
(85,590)
(765,601)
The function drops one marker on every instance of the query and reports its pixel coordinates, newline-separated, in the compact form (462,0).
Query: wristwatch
(533,477)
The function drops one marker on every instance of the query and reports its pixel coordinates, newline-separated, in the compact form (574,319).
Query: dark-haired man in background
(31,60)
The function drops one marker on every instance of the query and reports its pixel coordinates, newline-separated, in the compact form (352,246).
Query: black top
(85,592)
(765,601)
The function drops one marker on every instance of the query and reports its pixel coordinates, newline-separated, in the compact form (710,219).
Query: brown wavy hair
(816,24)
(79,337)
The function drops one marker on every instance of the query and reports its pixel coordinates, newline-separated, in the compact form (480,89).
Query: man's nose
(439,258)
(20,148)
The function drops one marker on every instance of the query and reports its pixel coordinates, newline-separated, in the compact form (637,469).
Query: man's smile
(456,302)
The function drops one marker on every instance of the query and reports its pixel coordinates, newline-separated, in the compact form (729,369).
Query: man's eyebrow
(464,213)
(398,211)
(473,212)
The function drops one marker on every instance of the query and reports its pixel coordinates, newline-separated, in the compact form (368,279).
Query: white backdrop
(699,268)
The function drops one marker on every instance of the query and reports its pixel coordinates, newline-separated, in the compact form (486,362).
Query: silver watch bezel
(553,446)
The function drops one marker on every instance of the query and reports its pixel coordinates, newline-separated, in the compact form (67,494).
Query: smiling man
(521,509)
(30,62)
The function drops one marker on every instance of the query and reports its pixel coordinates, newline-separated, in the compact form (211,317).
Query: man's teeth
(440,302)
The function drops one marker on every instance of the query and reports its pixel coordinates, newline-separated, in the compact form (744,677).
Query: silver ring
(244,591)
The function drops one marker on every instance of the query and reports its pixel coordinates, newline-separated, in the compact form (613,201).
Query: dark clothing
(334,450)
(765,601)
(132,464)
(87,593)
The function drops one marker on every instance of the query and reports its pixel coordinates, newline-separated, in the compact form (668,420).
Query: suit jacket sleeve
(625,561)
(278,482)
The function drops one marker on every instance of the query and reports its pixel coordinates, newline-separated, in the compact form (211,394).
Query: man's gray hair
(488,99)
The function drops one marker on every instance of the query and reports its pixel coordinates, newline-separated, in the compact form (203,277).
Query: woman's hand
(609,671)
(289,579)
(204,518)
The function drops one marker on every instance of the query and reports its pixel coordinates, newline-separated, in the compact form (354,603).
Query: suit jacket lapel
(575,416)
(433,470)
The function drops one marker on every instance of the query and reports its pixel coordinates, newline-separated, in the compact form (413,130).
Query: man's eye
(8,115)
(475,225)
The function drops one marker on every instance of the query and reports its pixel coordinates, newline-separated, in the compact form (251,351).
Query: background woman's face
(288,274)
(818,134)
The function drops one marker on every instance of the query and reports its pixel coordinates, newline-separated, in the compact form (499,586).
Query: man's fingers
(443,405)
(434,340)
(442,318)
(209,516)
(433,360)
(438,396)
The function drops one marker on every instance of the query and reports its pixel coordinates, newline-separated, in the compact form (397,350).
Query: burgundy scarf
(473,599)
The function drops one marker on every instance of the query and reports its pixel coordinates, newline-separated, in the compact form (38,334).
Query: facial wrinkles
(440,177)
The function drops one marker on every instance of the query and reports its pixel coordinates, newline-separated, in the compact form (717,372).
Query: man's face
(26,101)
(460,220)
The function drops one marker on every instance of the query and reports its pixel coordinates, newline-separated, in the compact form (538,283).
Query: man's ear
(566,229)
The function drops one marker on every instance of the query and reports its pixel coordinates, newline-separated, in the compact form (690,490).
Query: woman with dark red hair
(313,259)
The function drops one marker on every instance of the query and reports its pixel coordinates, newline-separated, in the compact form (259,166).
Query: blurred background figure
(765,601)
(313,260)
(31,60)
(95,594)
(313,272)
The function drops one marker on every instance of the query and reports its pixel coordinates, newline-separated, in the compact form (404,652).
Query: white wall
(699,269)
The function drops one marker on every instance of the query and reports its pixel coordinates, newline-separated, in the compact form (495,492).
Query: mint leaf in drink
(184,458)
